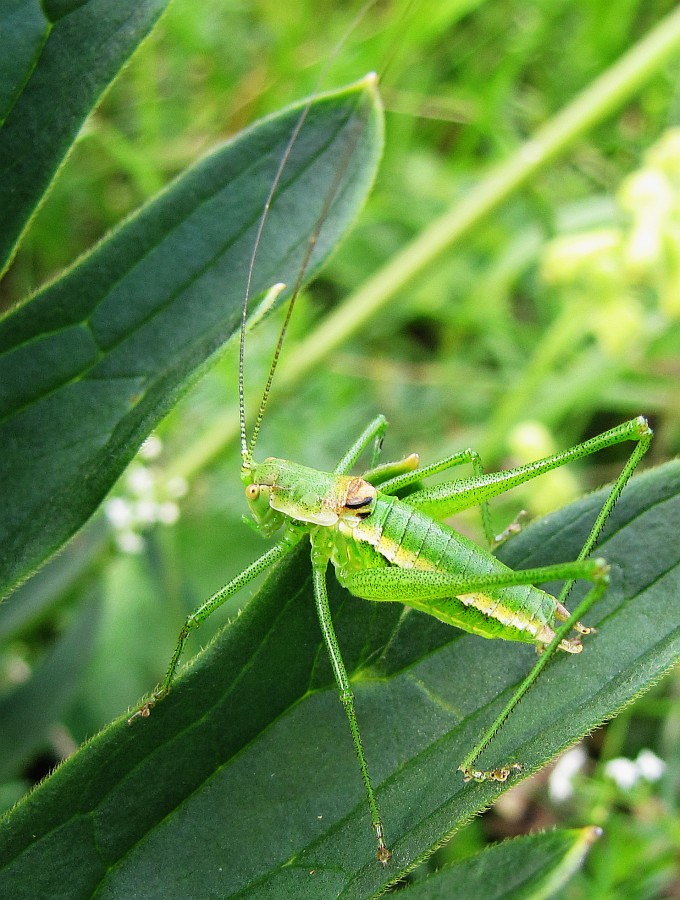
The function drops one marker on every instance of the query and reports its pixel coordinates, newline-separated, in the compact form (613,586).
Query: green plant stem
(616,85)
(604,95)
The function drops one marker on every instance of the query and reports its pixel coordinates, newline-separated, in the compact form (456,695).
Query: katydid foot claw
(571,645)
(144,710)
(501,774)
(383,855)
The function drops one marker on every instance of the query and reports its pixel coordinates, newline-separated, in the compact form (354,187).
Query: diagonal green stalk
(611,89)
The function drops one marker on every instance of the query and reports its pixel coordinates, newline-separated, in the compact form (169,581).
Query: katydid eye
(358,502)
(252,492)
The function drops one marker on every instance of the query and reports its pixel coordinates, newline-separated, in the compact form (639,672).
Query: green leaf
(91,364)
(243,782)
(56,60)
(37,598)
(28,711)
(23,31)
(527,868)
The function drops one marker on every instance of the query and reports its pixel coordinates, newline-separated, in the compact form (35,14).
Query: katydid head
(278,490)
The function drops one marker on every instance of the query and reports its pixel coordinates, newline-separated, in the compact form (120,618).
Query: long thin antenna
(311,244)
(246,450)
(245,454)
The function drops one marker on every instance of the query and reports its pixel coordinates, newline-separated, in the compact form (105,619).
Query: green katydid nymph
(389,546)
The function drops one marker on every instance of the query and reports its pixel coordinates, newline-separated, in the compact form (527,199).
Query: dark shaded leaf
(23,31)
(37,598)
(535,866)
(56,60)
(28,711)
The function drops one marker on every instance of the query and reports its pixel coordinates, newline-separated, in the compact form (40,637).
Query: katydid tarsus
(385,547)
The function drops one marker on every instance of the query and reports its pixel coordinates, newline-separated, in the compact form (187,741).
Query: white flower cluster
(626,773)
(616,271)
(145,499)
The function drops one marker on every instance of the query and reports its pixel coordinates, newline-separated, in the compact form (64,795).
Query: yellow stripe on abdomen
(492,607)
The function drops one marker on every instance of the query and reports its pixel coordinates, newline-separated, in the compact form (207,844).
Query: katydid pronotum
(385,547)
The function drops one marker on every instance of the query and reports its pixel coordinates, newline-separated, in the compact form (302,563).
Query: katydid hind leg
(644,437)
(399,584)
(422,589)
(504,771)
(452,497)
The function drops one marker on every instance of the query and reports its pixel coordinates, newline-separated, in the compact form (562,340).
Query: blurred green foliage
(464,84)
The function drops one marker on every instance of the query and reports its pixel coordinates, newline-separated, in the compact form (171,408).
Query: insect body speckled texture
(389,547)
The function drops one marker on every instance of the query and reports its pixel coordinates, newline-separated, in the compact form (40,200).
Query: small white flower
(148,499)
(530,440)
(119,512)
(649,765)
(665,153)
(571,256)
(151,448)
(146,512)
(17,670)
(647,192)
(140,480)
(167,513)
(176,487)
(623,771)
(627,772)
(130,541)
(643,250)
(560,783)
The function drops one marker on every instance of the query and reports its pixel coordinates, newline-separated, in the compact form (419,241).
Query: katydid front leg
(198,616)
(319,565)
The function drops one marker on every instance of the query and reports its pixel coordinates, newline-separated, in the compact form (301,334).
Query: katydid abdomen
(408,539)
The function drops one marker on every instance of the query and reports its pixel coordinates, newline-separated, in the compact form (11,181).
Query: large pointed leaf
(244,783)
(533,867)
(91,364)
(56,59)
